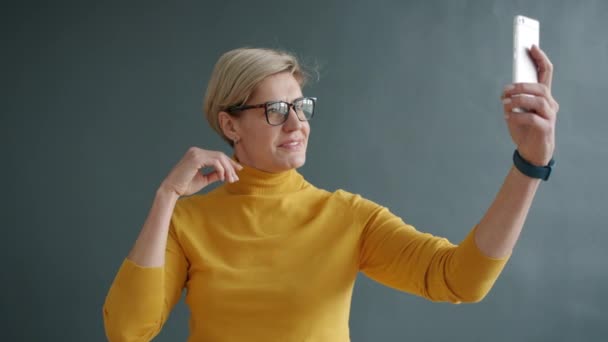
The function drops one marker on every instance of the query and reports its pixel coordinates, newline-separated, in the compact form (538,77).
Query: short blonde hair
(238,72)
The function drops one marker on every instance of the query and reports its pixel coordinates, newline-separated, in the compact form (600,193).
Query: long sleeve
(397,255)
(141,298)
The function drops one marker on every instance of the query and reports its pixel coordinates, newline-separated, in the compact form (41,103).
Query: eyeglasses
(277,112)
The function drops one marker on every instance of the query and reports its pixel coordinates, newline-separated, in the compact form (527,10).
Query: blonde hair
(238,72)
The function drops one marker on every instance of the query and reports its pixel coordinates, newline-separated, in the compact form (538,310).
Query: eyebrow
(285,100)
(262,102)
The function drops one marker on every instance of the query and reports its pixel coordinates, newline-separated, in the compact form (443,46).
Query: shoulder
(347,196)
(187,208)
(356,202)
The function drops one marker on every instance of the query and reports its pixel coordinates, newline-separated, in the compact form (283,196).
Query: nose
(292,123)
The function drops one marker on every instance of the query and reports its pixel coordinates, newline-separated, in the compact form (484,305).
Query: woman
(269,257)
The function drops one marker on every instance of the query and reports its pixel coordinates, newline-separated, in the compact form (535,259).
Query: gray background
(100,100)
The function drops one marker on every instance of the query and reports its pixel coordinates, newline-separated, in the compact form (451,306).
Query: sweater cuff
(145,282)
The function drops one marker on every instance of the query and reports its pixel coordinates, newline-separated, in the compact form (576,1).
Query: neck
(253,181)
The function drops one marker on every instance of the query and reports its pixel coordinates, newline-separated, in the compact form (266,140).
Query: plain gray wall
(100,100)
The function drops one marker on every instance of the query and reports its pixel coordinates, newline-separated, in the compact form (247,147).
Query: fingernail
(509,87)
(506,100)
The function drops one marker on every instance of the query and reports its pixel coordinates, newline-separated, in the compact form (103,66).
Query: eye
(304,103)
(277,108)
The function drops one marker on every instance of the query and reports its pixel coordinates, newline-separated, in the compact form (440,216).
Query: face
(265,147)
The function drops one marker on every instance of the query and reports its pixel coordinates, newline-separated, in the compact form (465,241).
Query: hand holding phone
(533,129)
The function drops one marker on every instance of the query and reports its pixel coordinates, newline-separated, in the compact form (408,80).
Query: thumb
(210,177)
(199,181)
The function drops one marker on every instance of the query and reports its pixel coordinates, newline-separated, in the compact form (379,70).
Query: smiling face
(262,146)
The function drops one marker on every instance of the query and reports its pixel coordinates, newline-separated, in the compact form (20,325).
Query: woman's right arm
(150,280)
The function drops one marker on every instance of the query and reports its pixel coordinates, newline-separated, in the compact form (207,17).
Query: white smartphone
(525,34)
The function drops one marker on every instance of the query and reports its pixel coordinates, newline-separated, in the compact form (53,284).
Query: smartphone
(525,34)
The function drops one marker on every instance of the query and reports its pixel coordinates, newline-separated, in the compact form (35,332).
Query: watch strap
(530,170)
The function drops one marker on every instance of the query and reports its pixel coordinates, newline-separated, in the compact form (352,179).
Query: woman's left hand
(533,131)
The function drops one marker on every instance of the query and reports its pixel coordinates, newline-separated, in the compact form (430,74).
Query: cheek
(255,131)
(264,137)
(306,129)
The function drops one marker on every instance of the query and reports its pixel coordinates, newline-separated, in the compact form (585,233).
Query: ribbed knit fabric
(273,258)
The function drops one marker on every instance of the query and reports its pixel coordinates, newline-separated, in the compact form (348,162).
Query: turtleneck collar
(257,182)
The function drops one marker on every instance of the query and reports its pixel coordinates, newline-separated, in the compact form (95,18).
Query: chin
(299,162)
(291,162)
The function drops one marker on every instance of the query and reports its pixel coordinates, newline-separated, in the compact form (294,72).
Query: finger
(219,168)
(524,119)
(232,162)
(229,169)
(236,165)
(537,89)
(535,104)
(543,64)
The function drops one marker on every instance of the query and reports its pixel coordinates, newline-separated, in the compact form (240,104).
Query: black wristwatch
(533,171)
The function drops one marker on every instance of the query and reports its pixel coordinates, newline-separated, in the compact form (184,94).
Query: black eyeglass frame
(265,105)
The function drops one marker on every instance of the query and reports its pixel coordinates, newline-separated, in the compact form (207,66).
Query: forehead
(278,87)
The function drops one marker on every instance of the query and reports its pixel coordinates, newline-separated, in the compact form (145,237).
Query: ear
(229,125)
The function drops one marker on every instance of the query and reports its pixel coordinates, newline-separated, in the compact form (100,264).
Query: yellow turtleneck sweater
(273,258)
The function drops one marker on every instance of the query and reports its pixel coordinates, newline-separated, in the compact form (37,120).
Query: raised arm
(399,256)
(150,280)
(533,132)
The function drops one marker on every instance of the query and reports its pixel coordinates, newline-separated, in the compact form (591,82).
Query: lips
(292,144)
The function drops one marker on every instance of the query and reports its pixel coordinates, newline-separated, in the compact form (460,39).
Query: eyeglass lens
(277,111)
